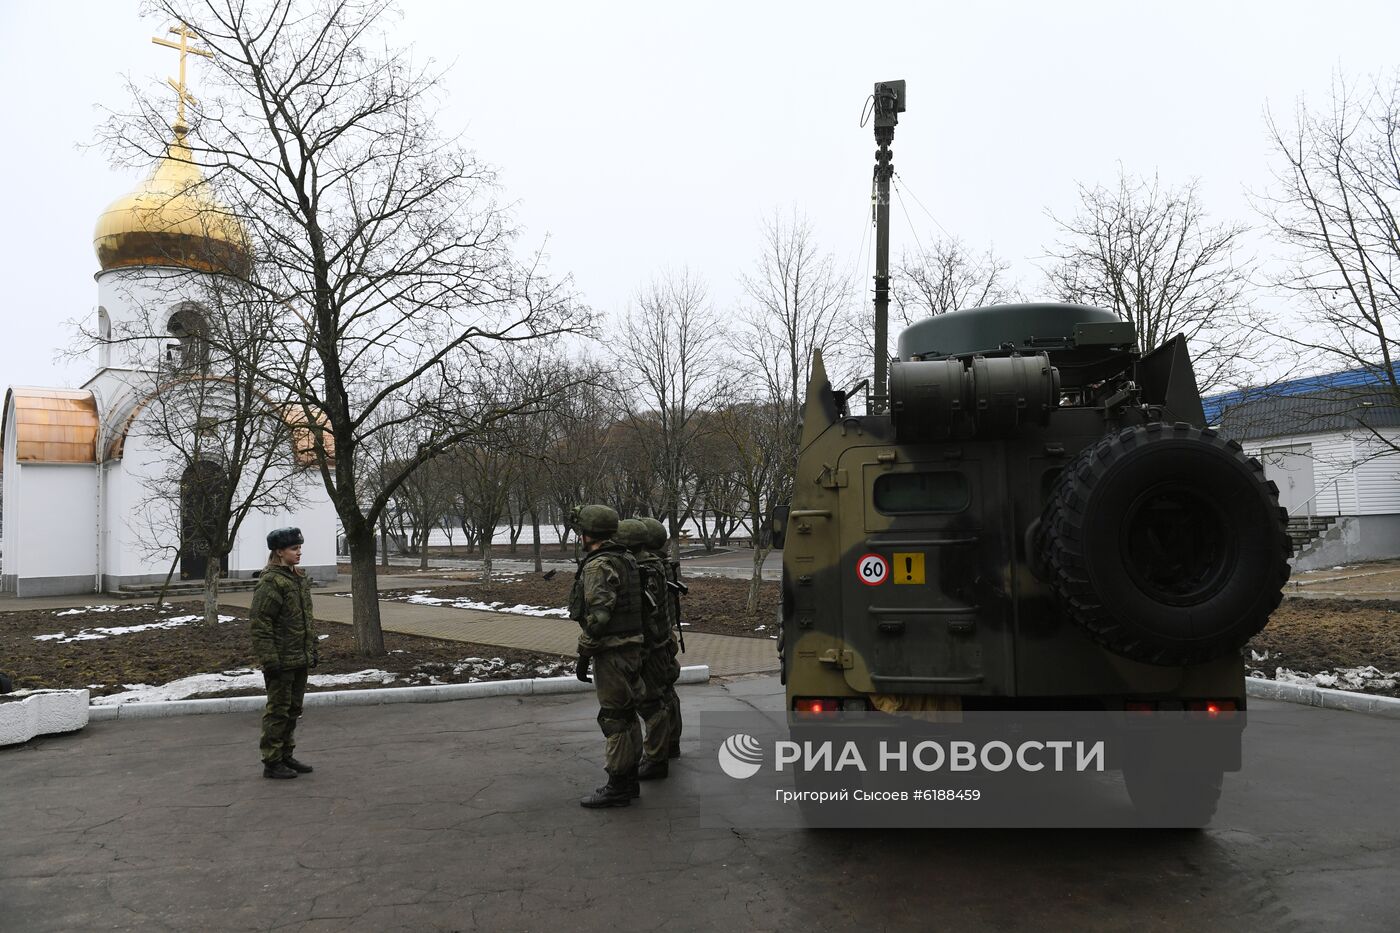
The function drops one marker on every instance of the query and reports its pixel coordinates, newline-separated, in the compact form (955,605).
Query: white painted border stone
(438,693)
(1322,697)
(42,713)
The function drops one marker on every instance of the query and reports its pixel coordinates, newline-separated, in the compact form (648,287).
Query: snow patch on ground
(86,609)
(242,679)
(476,669)
(94,634)
(1356,679)
(432,672)
(461,602)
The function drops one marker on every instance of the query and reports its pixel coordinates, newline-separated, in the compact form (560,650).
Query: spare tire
(1166,543)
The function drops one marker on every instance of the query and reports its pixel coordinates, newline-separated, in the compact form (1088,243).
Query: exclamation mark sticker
(907,567)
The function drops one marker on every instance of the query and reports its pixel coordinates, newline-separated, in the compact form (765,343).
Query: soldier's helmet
(631,534)
(596,521)
(656,533)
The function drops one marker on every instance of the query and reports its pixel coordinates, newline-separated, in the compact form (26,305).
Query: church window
(190,348)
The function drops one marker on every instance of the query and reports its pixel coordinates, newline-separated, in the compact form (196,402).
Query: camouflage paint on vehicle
(939,555)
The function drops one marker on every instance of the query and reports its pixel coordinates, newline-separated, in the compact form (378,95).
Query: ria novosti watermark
(999,769)
(927,756)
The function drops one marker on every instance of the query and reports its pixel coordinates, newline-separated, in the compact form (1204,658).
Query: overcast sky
(641,136)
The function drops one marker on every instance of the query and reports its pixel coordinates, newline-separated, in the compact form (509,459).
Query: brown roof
(54,425)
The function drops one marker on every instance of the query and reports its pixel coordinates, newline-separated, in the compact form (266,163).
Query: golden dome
(171,219)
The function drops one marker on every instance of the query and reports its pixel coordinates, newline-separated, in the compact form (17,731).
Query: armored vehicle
(1041,520)
(1030,514)
(1042,516)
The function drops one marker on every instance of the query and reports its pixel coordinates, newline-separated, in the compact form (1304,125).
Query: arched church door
(201,488)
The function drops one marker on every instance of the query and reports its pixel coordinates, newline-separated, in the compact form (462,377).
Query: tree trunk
(487,543)
(169,574)
(675,532)
(535,528)
(423,550)
(515,529)
(364,594)
(383,543)
(211,589)
(760,554)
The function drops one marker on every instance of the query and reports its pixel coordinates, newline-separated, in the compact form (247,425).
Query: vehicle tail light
(815,705)
(1214,709)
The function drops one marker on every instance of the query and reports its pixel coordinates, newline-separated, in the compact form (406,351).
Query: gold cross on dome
(183,46)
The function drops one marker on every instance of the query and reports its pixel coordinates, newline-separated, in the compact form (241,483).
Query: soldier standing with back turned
(606,602)
(660,707)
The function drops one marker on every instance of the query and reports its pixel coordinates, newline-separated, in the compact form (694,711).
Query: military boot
(277,770)
(616,793)
(653,770)
(297,766)
(634,789)
(674,750)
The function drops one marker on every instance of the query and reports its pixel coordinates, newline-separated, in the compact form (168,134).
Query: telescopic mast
(888,104)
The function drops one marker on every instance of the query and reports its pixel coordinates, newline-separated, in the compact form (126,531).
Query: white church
(78,466)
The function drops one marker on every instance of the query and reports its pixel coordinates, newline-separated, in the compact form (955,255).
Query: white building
(1332,446)
(78,511)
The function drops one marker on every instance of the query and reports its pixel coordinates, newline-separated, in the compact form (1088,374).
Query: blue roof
(1216,405)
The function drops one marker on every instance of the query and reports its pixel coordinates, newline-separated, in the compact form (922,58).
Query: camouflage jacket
(284,633)
(656,599)
(606,600)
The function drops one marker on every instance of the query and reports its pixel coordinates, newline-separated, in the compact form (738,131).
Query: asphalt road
(463,816)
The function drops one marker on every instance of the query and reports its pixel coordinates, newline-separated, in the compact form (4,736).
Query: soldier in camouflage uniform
(606,602)
(659,706)
(656,543)
(284,639)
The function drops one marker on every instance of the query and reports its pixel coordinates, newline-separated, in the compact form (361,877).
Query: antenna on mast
(888,104)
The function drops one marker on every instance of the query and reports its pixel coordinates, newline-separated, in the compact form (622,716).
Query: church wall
(138,517)
(314,515)
(51,529)
(139,301)
(134,522)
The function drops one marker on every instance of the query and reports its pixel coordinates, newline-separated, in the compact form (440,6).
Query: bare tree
(946,277)
(799,305)
(382,239)
(578,453)
(1335,206)
(421,500)
(755,439)
(1148,254)
(672,336)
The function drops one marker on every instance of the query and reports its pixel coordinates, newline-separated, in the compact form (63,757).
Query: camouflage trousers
(660,707)
(617,679)
(285,690)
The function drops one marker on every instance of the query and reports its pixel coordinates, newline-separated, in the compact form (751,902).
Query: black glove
(581,669)
(271,667)
(315,656)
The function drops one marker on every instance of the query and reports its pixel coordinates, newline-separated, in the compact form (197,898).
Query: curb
(43,712)
(1322,697)
(439,693)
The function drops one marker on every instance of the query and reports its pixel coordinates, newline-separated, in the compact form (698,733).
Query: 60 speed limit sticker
(872,570)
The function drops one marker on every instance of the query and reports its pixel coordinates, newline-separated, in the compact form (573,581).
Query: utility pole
(888,105)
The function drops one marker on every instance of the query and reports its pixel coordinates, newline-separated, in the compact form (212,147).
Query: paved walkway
(725,654)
